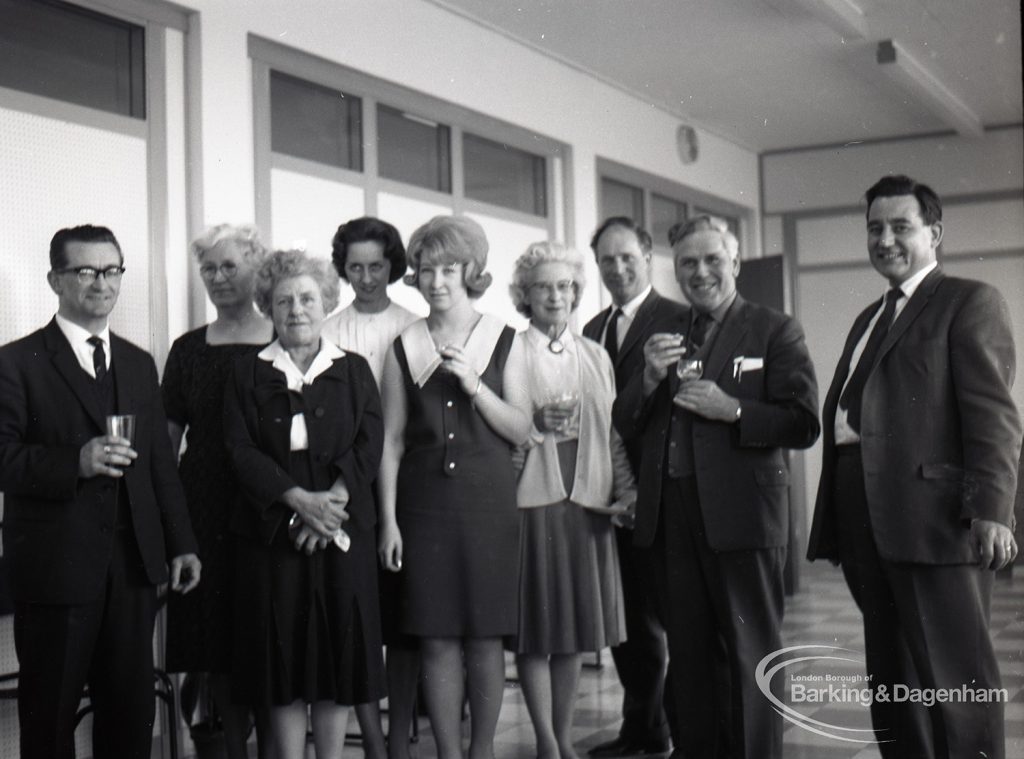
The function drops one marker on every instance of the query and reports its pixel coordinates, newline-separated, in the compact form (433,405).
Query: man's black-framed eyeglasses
(89,274)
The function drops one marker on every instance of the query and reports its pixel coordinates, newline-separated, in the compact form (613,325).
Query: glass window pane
(61,51)
(314,122)
(414,150)
(504,176)
(665,212)
(621,199)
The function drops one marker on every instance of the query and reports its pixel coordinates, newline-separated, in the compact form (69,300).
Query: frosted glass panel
(95,177)
(983,226)
(306,211)
(508,241)
(831,239)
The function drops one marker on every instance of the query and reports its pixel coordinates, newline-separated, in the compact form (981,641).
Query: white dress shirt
(629,310)
(845,434)
(80,345)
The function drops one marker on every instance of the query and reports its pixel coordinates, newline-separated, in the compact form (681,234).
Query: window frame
(266,55)
(690,198)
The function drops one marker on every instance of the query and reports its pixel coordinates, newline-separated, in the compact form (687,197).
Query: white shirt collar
(76,334)
(914,282)
(423,359)
(295,377)
(631,307)
(540,339)
(78,338)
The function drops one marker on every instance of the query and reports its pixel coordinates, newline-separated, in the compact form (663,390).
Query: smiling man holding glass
(713,410)
(92,520)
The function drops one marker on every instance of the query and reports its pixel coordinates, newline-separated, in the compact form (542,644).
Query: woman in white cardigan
(575,478)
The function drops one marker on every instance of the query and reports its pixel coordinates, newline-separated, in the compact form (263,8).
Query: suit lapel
(644,314)
(67,366)
(729,335)
(909,313)
(860,326)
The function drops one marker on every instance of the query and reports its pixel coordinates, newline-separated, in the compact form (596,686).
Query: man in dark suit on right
(623,252)
(919,472)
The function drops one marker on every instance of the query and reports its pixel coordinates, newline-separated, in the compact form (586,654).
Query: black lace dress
(199,624)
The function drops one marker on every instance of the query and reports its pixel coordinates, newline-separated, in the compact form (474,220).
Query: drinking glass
(688,369)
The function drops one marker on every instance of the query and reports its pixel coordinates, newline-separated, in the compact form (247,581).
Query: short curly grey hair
(246,235)
(451,239)
(287,264)
(545,253)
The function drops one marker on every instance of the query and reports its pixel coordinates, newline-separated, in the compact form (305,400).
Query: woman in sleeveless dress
(455,404)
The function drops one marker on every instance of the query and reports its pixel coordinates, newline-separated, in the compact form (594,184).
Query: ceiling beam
(922,85)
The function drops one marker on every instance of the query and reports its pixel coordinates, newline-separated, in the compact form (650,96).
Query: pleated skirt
(570,589)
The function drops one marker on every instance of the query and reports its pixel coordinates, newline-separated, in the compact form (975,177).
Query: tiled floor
(822,613)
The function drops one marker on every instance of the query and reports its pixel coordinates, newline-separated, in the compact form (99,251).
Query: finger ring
(106,449)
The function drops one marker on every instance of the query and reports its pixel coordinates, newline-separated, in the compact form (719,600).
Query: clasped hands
(702,397)
(321,513)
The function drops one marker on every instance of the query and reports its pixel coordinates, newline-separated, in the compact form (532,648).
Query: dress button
(451,465)
(319,413)
(451,435)
(449,404)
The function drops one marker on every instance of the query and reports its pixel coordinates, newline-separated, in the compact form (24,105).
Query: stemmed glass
(688,369)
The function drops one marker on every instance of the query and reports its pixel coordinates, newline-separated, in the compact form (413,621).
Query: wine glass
(565,401)
(688,369)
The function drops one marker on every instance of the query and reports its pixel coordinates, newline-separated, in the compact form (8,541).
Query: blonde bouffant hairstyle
(451,240)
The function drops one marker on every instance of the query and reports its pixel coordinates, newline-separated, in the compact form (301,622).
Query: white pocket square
(742,364)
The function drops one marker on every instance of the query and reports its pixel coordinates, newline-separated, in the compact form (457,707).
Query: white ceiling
(774,74)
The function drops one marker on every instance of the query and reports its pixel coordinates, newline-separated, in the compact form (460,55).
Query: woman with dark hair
(199,624)
(455,403)
(303,424)
(368,253)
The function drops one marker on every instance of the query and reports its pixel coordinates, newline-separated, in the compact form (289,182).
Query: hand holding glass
(689,369)
(122,426)
(566,405)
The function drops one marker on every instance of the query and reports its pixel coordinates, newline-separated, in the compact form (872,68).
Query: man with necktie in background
(919,472)
(623,252)
(91,520)
(713,491)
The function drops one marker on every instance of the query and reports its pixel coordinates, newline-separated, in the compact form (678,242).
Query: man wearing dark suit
(623,252)
(713,486)
(918,477)
(91,520)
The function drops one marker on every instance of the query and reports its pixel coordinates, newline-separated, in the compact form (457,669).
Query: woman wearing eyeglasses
(199,624)
(575,469)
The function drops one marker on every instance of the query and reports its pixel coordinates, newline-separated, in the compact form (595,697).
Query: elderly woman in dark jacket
(303,425)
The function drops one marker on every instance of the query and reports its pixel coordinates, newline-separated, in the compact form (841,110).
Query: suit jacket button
(319,413)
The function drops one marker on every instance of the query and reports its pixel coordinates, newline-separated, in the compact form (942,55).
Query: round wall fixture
(686,144)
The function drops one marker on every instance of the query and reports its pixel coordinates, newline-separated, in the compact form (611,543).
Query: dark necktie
(611,335)
(851,397)
(99,358)
(699,331)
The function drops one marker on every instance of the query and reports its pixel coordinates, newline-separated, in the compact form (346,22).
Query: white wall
(423,47)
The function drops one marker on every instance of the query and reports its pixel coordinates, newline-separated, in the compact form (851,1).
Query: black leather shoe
(622,746)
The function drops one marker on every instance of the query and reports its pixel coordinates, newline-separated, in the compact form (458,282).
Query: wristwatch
(739,412)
